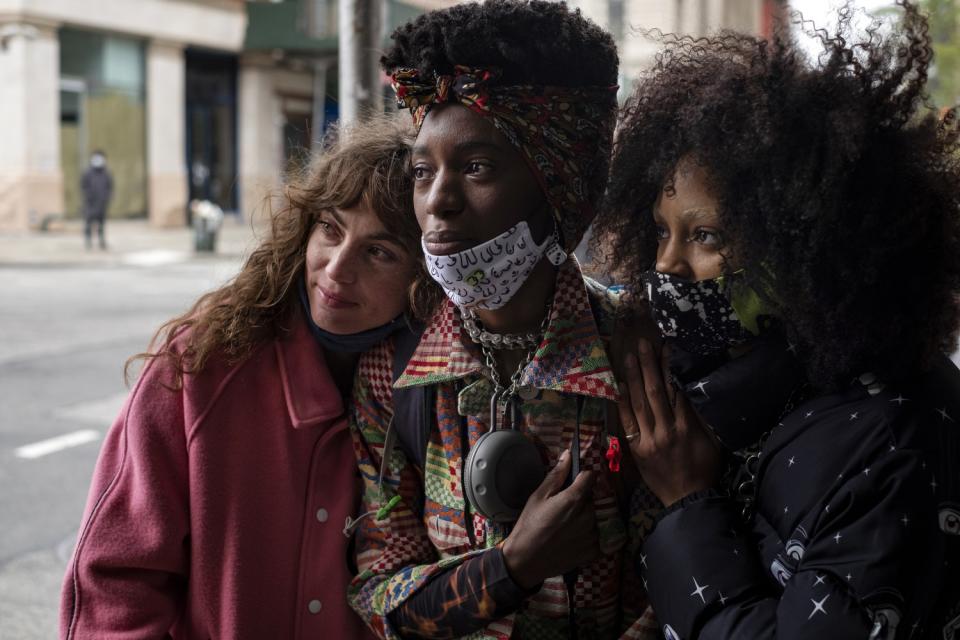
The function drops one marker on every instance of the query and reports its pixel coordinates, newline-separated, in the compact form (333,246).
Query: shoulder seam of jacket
(194,427)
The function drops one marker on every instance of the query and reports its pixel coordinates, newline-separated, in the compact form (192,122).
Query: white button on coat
(322,515)
(315,606)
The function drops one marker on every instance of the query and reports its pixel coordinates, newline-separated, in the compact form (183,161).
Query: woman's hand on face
(556,531)
(673,449)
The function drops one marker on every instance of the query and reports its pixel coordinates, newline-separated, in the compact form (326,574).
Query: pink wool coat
(216,510)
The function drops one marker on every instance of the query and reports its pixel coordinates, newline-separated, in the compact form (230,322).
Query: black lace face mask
(697,315)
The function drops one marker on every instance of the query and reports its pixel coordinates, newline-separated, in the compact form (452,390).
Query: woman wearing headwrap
(470,526)
(795,227)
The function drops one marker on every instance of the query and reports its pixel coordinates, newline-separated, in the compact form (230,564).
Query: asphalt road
(66,332)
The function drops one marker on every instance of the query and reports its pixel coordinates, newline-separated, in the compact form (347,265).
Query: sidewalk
(129,242)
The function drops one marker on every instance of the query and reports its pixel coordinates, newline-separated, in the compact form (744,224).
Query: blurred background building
(625,19)
(151,82)
(207,99)
(212,99)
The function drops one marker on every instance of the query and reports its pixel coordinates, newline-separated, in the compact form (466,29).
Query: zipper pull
(350,524)
(614,454)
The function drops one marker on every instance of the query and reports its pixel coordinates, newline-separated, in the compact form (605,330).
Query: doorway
(211,95)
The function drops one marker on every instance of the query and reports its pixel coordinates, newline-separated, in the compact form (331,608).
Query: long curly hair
(838,192)
(366,165)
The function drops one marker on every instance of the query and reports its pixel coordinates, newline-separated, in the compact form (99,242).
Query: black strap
(412,406)
(570,577)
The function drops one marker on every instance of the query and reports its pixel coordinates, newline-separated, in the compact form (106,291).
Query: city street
(69,321)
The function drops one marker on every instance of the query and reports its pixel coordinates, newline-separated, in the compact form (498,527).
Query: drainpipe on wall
(361,24)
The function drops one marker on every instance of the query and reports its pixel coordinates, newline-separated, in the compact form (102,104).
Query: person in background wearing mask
(96,186)
(794,226)
(462,533)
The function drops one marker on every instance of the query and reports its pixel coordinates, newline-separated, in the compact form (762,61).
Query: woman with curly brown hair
(218,500)
(795,228)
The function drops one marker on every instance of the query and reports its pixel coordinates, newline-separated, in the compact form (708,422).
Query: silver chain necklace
(491,362)
(490,340)
(501,395)
(745,491)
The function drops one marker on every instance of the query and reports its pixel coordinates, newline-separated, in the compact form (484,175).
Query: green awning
(278,25)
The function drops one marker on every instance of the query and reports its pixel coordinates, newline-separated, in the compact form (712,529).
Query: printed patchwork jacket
(428,565)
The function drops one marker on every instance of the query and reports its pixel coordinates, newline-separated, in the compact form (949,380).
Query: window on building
(102,106)
(212,127)
(320,17)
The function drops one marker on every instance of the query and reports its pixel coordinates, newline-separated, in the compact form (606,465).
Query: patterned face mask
(488,275)
(697,315)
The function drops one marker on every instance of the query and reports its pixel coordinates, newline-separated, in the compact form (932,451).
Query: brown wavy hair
(367,165)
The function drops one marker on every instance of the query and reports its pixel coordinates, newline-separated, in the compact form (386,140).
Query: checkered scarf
(563,133)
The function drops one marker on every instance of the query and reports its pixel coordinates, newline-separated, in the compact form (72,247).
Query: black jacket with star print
(853,531)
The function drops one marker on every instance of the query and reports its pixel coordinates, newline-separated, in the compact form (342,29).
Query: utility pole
(318,14)
(360,42)
(319,110)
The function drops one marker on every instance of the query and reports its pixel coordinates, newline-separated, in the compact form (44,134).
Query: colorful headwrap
(563,133)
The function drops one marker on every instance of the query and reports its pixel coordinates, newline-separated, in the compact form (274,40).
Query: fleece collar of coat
(570,359)
(311,394)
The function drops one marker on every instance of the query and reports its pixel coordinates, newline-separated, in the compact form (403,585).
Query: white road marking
(154,257)
(96,412)
(46,447)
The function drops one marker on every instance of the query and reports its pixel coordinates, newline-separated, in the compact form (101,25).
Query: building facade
(190,99)
(212,99)
(110,75)
(627,20)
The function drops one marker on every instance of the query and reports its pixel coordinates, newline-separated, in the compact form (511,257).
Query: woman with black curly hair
(803,225)
(471,526)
